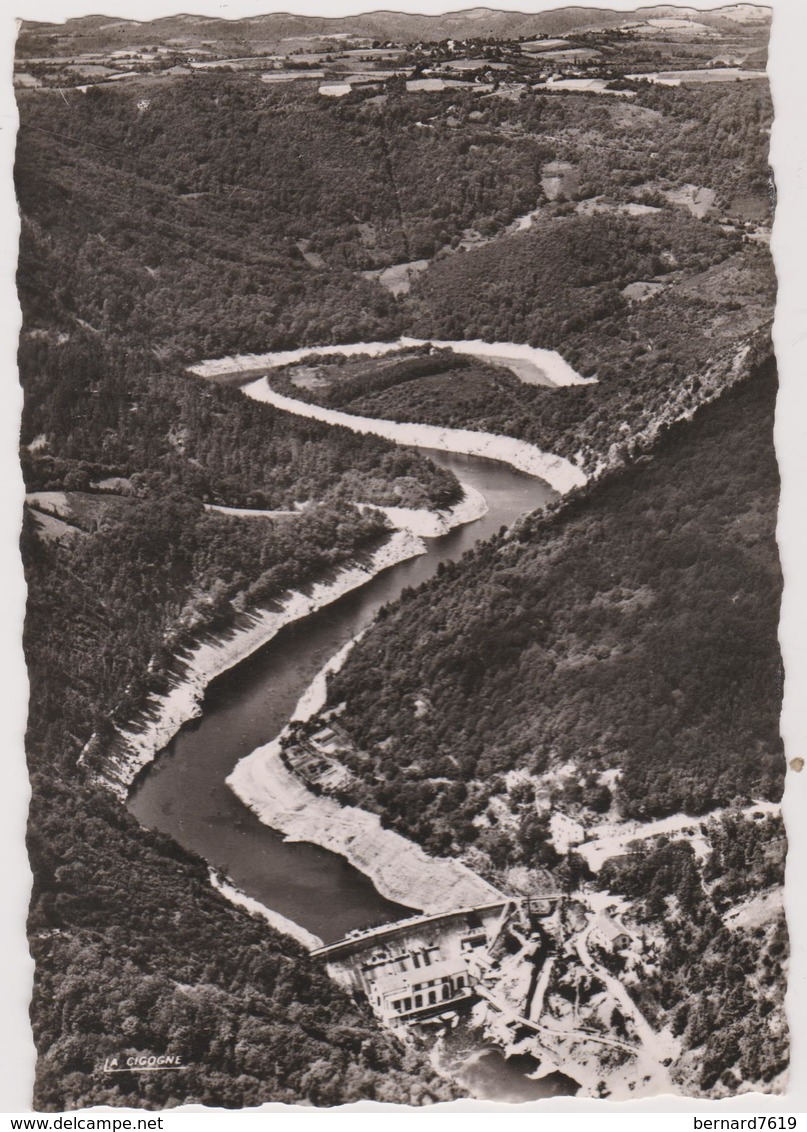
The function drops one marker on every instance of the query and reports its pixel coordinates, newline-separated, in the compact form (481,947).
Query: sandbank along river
(184,793)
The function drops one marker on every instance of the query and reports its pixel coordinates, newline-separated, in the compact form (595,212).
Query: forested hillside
(560,285)
(635,628)
(615,271)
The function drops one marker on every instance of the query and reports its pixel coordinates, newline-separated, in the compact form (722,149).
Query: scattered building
(566,833)
(335,90)
(310,757)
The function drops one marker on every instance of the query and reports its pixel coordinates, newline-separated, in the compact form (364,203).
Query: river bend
(183,792)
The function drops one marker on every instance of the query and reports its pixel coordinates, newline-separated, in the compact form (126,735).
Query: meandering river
(183,792)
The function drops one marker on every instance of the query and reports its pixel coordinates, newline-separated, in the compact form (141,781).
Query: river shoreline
(164,715)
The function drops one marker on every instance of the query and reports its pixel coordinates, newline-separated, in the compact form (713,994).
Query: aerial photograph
(399,535)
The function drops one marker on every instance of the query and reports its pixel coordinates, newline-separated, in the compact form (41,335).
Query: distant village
(595,62)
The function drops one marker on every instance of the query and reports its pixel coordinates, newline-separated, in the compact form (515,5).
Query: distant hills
(100,32)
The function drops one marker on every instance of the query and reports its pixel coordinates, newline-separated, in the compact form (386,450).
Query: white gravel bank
(398,868)
(167,712)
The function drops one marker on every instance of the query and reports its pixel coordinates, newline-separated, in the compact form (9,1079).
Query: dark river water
(183,792)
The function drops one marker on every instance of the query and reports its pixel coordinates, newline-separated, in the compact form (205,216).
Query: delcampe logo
(143,1062)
